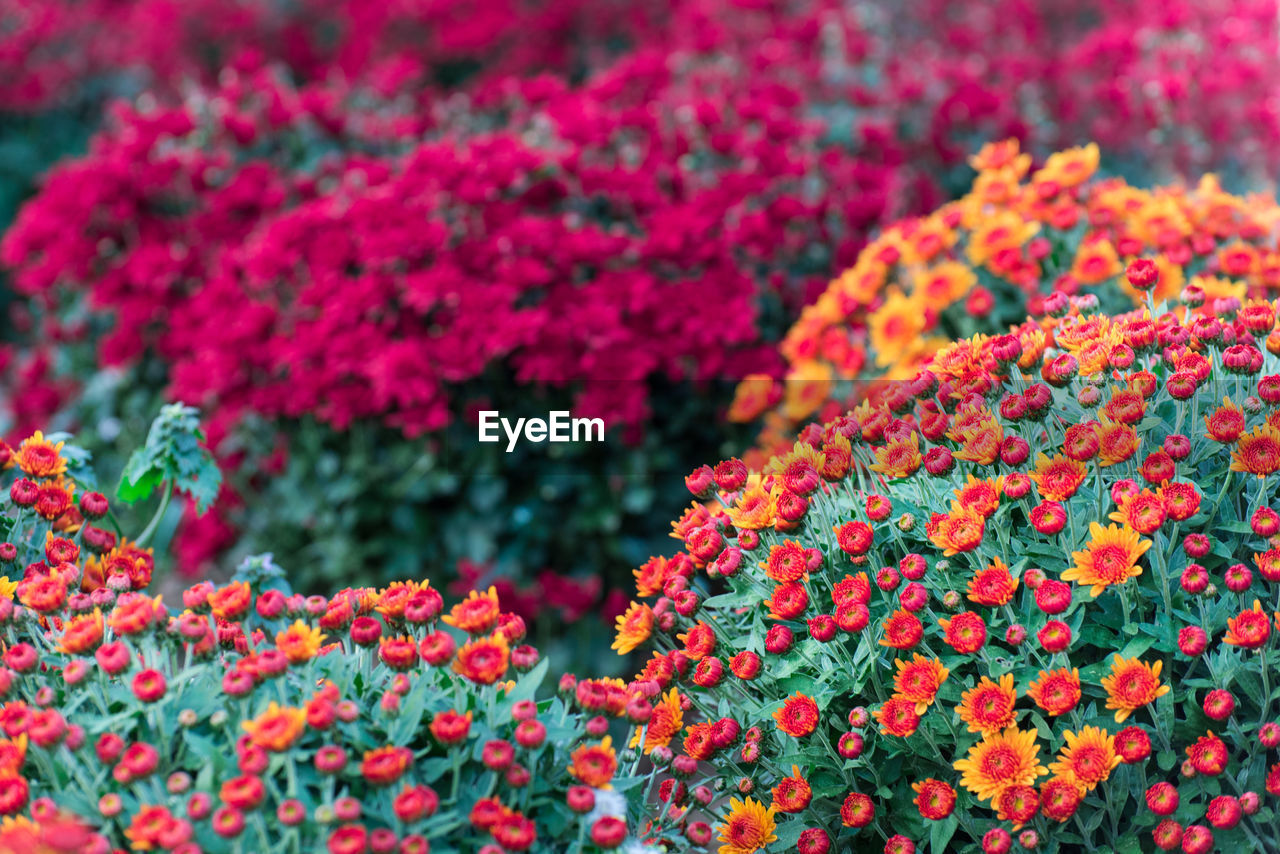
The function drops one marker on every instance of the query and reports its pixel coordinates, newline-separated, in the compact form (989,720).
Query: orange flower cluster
(251,718)
(1021,241)
(1035,569)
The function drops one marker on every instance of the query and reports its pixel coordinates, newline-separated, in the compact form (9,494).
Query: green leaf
(174,453)
(142,484)
(941,832)
(528,684)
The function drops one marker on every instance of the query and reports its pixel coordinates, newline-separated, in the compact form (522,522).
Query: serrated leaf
(173,453)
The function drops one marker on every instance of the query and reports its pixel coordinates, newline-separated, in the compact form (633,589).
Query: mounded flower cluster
(1020,241)
(1031,593)
(248,718)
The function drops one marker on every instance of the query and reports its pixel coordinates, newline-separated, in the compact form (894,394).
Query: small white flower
(635,846)
(608,802)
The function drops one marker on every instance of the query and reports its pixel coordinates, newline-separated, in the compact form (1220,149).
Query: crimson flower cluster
(247,717)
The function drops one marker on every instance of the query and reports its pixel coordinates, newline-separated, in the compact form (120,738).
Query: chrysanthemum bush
(1031,596)
(781,134)
(245,718)
(1019,241)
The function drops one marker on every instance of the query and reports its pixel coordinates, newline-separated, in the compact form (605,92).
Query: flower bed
(250,718)
(1031,594)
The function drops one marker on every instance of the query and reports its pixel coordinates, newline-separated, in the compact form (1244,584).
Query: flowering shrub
(1019,241)
(48,49)
(256,719)
(1032,594)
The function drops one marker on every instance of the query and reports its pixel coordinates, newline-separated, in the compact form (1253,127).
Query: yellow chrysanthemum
(755,509)
(1000,760)
(1132,685)
(633,627)
(1111,557)
(299,642)
(1087,758)
(1258,451)
(807,386)
(39,458)
(666,721)
(277,728)
(1069,168)
(748,827)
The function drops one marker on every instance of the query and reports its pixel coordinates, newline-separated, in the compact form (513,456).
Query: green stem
(149,531)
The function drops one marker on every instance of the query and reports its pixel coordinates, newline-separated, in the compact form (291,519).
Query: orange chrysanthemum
(232,601)
(982,496)
(919,680)
(961,530)
(786,562)
(897,716)
(39,458)
(797,716)
(594,764)
(651,576)
(483,660)
(1249,629)
(899,458)
(1226,423)
(792,794)
(1056,691)
(988,706)
(13,752)
(1058,478)
(1111,557)
(935,799)
(476,614)
(1069,168)
(748,827)
(1143,511)
(1116,442)
(1096,261)
(902,630)
(633,627)
(277,728)
(82,633)
(1132,685)
(1258,451)
(299,642)
(981,444)
(392,601)
(993,585)
(1087,758)
(1000,760)
(752,397)
(667,720)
